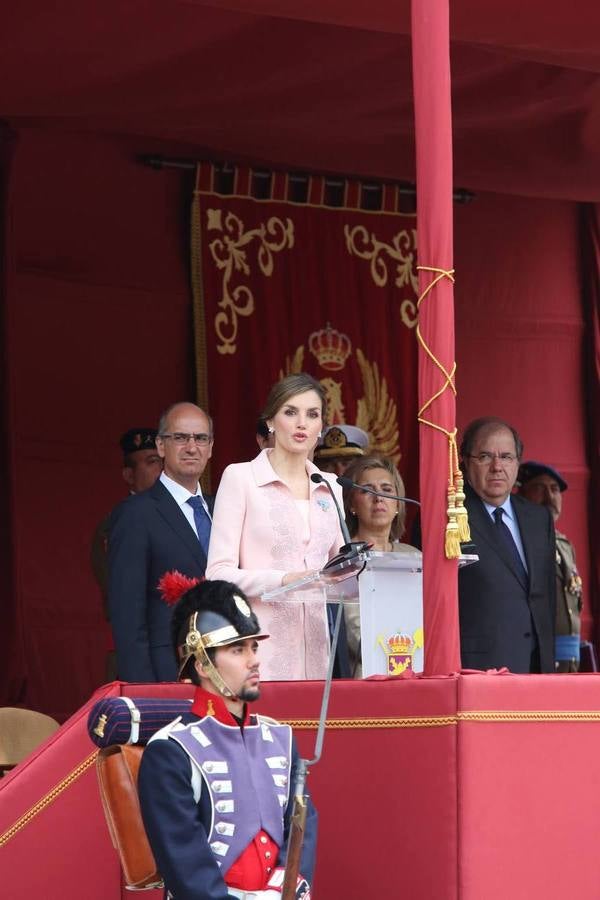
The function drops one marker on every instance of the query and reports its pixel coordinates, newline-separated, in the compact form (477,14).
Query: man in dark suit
(507,599)
(166,527)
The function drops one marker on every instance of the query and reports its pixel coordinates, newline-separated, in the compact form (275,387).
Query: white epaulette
(268,720)
(163,734)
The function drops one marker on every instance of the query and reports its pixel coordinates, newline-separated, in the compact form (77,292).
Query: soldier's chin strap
(194,646)
(214,676)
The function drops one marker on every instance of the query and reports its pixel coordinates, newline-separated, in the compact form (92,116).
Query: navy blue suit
(149,535)
(504,619)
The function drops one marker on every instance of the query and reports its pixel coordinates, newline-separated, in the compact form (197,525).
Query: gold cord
(47,799)
(457,528)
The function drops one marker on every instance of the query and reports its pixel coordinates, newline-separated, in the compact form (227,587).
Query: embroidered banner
(284,287)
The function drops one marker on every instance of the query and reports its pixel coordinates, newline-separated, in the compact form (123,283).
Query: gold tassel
(462,517)
(452,545)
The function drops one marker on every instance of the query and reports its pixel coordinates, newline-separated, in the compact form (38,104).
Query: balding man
(166,527)
(508,598)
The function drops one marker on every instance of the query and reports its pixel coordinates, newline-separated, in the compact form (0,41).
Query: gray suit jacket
(504,621)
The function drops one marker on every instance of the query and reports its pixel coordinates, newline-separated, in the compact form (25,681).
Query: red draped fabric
(284,287)
(591,293)
(12,661)
(99,312)
(433,135)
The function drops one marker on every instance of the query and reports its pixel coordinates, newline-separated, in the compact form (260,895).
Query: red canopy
(318,84)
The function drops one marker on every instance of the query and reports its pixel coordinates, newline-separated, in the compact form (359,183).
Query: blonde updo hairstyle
(354,472)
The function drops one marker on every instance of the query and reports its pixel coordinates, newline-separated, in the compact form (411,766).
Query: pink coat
(256,538)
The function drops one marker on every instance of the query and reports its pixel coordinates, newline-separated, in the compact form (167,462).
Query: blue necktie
(504,534)
(201,520)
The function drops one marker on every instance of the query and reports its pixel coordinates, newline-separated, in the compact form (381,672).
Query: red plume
(173,585)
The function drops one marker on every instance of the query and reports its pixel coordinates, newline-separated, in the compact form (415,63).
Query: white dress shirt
(510,520)
(181,495)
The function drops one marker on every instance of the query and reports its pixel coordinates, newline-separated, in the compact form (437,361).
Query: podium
(383,598)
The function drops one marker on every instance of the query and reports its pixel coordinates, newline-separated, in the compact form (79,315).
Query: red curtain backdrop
(591,293)
(100,335)
(12,660)
(99,317)
(284,287)
(520,339)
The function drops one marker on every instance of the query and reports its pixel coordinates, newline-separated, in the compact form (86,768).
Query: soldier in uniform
(339,446)
(542,484)
(141,467)
(215,784)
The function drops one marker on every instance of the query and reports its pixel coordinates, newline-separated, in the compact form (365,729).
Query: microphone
(348,483)
(350,548)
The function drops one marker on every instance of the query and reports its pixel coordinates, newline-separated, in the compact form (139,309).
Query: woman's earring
(271,429)
(320,434)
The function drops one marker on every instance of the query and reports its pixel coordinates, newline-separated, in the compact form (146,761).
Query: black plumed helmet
(212,614)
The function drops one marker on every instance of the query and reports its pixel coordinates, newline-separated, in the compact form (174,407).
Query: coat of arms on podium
(400,649)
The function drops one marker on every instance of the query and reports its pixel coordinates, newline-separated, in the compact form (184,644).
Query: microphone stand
(351,548)
(300,808)
(298,820)
(347,483)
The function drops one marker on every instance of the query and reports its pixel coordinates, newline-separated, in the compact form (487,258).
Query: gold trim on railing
(406,722)
(480,716)
(47,799)
(471,716)
(530,715)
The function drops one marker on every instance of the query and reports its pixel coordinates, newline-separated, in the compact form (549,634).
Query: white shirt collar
(506,507)
(179,493)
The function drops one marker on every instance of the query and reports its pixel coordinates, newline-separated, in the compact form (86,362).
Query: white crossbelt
(245,895)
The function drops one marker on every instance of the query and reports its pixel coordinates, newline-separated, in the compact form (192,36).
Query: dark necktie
(201,520)
(505,536)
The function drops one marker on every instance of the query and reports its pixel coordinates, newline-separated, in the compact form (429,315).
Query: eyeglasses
(484,458)
(183,437)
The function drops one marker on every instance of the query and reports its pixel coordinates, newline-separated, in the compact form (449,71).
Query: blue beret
(531,469)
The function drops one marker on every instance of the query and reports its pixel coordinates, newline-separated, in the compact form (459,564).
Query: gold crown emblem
(330,348)
(401,643)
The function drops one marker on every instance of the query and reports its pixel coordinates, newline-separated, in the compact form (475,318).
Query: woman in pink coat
(272,524)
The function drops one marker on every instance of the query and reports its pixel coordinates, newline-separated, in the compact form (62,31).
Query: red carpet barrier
(528,823)
(435,789)
(53,842)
